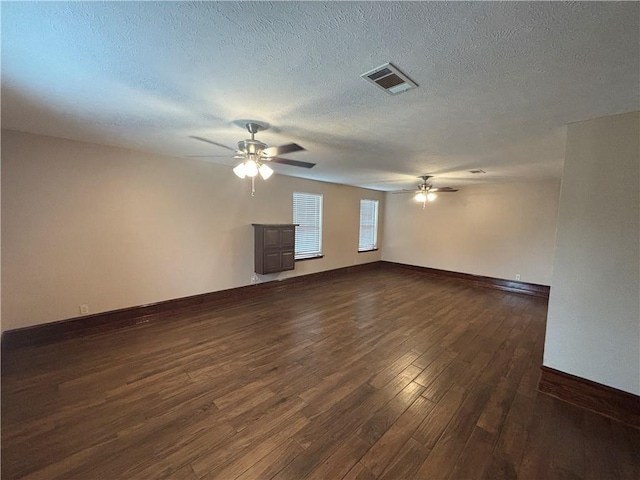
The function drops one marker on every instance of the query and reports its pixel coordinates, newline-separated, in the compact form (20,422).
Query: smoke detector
(390,79)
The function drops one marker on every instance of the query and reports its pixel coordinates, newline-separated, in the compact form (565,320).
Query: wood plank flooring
(379,374)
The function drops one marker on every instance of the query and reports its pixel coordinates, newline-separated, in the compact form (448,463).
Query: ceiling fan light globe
(265,171)
(240,170)
(251,168)
(431,197)
(420,197)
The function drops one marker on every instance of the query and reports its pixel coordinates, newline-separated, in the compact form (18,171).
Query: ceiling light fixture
(265,171)
(251,167)
(424,197)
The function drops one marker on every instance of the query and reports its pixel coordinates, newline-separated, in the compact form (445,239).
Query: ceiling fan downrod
(254,128)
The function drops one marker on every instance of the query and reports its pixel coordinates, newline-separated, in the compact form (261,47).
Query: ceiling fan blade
(294,163)
(207,156)
(212,143)
(443,190)
(282,149)
(406,191)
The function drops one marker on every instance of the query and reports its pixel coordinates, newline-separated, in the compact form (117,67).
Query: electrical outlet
(84,309)
(517,276)
(254,279)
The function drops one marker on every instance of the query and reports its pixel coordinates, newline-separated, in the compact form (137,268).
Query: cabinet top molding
(275,224)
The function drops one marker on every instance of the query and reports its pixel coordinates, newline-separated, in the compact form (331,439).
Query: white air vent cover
(389,79)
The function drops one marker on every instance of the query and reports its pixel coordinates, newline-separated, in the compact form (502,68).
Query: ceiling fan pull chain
(253,186)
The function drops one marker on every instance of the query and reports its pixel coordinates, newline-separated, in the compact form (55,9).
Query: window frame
(302,226)
(372,247)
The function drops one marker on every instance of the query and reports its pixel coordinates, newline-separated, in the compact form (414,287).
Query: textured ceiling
(497,80)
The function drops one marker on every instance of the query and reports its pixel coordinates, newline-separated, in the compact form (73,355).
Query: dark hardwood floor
(375,374)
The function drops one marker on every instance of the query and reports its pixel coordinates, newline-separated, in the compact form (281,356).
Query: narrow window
(368,239)
(307,213)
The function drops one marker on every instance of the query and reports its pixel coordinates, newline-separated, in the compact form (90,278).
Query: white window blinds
(368,225)
(307,213)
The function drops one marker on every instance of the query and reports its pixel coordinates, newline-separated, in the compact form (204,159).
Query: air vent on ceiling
(389,79)
(477,171)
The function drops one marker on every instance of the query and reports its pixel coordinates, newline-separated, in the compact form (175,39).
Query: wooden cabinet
(274,247)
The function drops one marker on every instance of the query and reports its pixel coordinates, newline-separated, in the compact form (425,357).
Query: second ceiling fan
(426,192)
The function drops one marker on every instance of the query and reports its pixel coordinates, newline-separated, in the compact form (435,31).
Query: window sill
(365,251)
(308,258)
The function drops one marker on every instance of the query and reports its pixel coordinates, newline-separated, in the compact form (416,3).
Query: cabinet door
(288,262)
(271,238)
(272,262)
(288,236)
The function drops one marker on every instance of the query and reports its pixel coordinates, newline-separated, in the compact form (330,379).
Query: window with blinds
(368,239)
(307,213)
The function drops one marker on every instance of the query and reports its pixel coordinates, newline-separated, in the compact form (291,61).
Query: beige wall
(593,326)
(113,228)
(497,230)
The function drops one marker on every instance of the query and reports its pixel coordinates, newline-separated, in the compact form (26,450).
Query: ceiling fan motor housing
(251,146)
